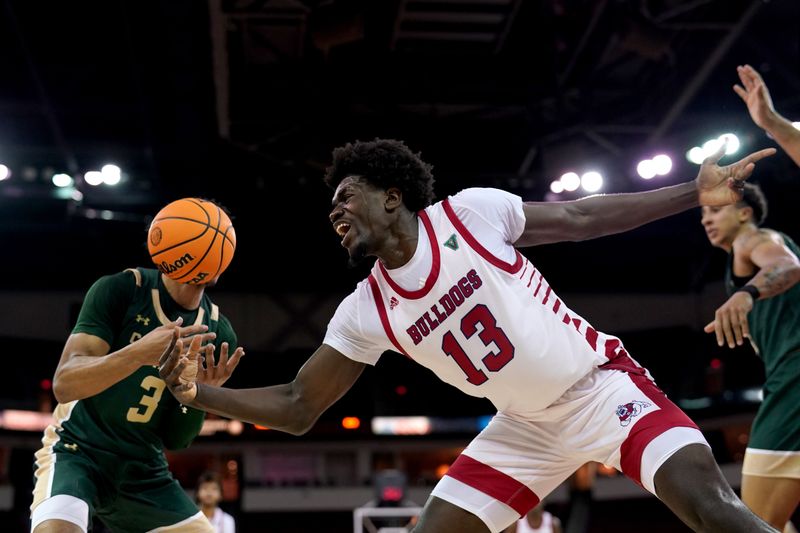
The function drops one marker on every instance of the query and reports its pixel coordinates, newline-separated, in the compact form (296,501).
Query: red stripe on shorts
(494,483)
(650,425)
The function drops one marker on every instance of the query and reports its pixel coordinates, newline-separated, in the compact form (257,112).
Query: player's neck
(401,242)
(187,296)
(208,510)
(744,232)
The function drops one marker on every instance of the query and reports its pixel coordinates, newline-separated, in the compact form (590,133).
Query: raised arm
(292,407)
(596,216)
(755,94)
(778,271)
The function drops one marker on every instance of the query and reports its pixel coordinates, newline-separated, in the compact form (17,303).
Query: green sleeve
(105,305)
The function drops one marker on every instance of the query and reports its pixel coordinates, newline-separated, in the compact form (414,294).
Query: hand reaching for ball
(181,366)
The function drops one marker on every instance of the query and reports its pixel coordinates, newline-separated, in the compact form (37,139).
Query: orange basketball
(191,241)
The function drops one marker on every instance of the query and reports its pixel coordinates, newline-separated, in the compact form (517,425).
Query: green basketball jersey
(136,417)
(774,322)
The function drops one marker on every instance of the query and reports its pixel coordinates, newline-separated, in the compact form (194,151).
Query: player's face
(722,224)
(358,217)
(209,493)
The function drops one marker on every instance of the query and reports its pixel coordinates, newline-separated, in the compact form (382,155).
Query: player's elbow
(303,416)
(63,392)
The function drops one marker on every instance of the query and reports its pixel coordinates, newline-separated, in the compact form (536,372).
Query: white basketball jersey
(491,328)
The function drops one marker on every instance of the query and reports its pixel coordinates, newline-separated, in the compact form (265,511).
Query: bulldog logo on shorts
(629,411)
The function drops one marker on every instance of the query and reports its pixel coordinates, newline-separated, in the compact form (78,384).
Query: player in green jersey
(763,271)
(103,455)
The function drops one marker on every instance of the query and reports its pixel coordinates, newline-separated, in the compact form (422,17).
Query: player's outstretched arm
(86,368)
(292,407)
(596,216)
(755,94)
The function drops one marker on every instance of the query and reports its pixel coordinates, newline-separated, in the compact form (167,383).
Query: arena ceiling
(243,100)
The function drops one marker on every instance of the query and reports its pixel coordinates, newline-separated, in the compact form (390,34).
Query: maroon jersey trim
(473,242)
(376,295)
(435,265)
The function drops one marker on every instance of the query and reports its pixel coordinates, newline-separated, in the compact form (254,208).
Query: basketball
(191,241)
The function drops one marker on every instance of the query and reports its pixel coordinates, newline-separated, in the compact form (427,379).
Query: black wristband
(752,290)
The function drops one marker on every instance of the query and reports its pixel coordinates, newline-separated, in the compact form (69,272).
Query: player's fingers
(194,329)
(169,364)
(728,330)
(211,364)
(170,347)
(709,328)
(714,158)
(745,325)
(758,156)
(740,91)
(736,327)
(173,377)
(234,360)
(223,355)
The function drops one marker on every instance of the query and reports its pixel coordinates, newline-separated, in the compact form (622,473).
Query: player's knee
(57,526)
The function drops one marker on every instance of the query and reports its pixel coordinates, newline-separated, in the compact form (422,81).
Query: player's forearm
(617,213)
(277,407)
(786,135)
(84,376)
(777,278)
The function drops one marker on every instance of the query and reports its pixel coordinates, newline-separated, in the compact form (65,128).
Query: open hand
(179,367)
(730,320)
(755,95)
(152,346)
(718,185)
(216,373)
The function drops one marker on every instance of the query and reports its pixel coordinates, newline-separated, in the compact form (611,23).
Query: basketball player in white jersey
(450,291)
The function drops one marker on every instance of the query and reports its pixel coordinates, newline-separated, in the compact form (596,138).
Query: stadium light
(5,172)
(662,164)
(112,174)
(796,125)
(592,181)
(646,169)
(93,177)
(571,181)
(557,187)
(62,180)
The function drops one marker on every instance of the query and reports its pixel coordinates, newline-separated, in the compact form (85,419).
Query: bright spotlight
(662,164)
(5,172)
(646,169)
(696,155)
(557,187)
(93,177)
(711,146)
(733,142)
(111,174)
(592,181)
(796,125)
(62,180)
(571,181)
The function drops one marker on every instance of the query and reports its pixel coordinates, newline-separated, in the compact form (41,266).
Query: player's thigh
(772,498)
(440,516)
(153,502)
(637,425)
(65,490)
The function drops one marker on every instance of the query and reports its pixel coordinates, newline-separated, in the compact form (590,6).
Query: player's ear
(394,198)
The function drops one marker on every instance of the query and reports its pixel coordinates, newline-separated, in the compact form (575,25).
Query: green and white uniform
(107,450)
(774,446)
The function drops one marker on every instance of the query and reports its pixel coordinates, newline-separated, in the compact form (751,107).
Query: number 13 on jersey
(490,333)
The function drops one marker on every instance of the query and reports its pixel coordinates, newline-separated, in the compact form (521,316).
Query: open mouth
(341,229)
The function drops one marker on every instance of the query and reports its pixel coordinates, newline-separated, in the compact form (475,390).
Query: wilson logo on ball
(169,268)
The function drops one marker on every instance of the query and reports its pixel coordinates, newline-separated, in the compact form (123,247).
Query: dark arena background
(242,101)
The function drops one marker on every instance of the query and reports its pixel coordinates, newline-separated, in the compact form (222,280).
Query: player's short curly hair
(753,197)
(384,163)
